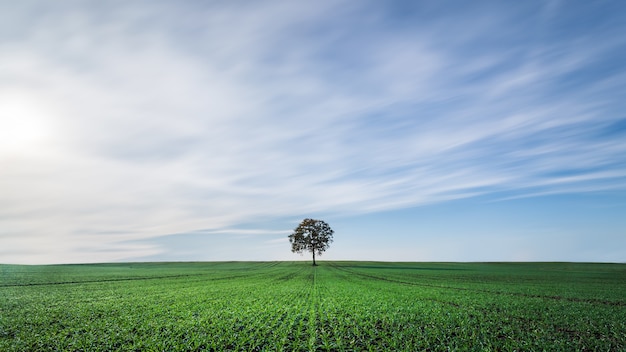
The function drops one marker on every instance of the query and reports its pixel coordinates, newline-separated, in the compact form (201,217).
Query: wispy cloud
(142,120)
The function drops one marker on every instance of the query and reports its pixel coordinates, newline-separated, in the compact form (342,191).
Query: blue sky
(419,130)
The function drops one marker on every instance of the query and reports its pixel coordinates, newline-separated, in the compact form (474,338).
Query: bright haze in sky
(207,130)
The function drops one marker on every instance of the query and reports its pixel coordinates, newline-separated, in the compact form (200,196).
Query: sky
(207,130)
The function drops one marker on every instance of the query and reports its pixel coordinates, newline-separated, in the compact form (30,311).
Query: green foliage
(312,236)
(340,306)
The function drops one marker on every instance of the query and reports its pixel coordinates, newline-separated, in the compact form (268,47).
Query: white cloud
(151,120)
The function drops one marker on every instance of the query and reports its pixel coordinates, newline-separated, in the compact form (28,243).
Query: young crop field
(292,306)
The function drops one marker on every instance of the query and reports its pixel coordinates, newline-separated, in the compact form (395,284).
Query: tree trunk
(314,259)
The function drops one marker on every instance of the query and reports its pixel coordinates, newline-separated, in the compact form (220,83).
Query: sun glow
(23,123)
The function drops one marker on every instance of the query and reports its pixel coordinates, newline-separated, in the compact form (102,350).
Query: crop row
(295,307)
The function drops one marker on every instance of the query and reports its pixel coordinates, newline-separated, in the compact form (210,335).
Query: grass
(336,306)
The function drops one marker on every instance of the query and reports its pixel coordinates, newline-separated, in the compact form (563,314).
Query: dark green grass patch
(337,306)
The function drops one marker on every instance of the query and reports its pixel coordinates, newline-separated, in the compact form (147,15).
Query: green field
(337,306)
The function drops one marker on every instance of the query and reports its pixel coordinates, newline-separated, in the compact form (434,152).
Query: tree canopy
(312,236)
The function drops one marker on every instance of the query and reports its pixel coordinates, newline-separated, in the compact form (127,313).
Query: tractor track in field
(556,298)
(102,280)
(138,278)
(122,280)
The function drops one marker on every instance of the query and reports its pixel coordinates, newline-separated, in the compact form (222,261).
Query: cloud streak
(140,120)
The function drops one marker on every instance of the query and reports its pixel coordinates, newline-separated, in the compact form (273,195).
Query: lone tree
(311,235)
